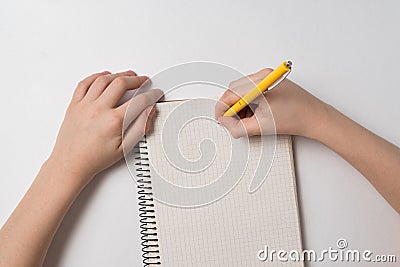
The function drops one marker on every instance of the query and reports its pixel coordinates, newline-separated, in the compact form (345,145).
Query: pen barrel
(271,78)
(259,89)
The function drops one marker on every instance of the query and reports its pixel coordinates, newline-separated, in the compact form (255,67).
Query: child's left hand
(90,138)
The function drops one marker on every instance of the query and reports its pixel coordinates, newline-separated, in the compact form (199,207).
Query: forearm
(89,141)
(297,112)
(26,236)
(374,157)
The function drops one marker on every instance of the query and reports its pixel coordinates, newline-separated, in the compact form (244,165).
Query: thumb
(138,128)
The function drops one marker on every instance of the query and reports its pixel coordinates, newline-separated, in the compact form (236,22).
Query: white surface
(344,52)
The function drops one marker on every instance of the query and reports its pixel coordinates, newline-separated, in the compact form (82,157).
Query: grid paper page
(230,231)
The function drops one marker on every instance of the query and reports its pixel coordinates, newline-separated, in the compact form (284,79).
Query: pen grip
(258,90)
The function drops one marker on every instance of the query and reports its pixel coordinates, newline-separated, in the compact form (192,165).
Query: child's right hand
(294,110)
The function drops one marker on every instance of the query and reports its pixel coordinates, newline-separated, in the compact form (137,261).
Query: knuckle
(227,94)
(102,80)
(82,84)
(120,82)
(142,98)
(115,121)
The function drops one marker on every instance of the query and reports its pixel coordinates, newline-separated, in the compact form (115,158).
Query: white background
(344,52)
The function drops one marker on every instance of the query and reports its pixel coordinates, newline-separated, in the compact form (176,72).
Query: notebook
(188,217)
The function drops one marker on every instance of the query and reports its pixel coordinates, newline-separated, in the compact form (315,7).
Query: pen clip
(280,80)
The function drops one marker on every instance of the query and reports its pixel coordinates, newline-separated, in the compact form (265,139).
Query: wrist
(65,175)
(321,121)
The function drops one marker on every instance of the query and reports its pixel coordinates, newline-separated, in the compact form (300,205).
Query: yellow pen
(271,78)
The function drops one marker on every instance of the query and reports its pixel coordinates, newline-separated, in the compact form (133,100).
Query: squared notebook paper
(232,229)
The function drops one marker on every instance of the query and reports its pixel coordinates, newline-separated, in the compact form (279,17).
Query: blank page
(231,230)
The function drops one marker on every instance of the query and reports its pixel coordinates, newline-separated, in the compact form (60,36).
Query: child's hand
(90,139)
(294,110)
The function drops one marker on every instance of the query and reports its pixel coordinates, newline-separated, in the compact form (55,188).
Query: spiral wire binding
(148,229)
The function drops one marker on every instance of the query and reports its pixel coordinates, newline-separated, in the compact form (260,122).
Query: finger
(227,99)
(84,85)
(238,89)
(136,131)
(132,108)
(244,88)
(240,82)
(261,74)
(240,128)
(101,83)
(118,87)
(252,78)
